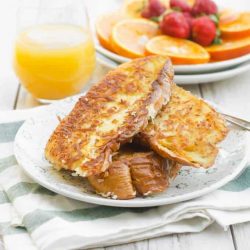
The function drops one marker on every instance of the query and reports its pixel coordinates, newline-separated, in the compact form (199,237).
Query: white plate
(186,79)
(212,77)
(195,68)
(190,183)
(96,10)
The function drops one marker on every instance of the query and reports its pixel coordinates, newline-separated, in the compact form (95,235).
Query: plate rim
(227,73)
(221,75)
(182,68)
(85,197)
(135,203)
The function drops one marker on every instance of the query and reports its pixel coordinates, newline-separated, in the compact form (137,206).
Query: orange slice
(238,28)
(190,2)
(229,49)
(130,36)
(228,16)
(104,26)
(133,8)
(181,51)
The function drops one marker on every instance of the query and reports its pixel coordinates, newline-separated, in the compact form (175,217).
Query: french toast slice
(130,174)
(110,114)
(186,130)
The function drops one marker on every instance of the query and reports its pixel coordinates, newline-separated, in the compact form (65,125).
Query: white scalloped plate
(192,68)
(190,182)
(110,5)
(186,79)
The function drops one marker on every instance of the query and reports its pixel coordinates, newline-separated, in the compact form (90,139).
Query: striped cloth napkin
(32,217)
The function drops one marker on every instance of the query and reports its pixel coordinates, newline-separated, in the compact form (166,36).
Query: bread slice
(132,173)
(110,114)
(186,130)
(149,173)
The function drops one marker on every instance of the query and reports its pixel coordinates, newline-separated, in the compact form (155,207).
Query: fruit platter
(191,32)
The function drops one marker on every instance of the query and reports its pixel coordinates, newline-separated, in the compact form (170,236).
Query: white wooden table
(233,95)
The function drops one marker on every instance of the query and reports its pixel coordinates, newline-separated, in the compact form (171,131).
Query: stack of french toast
(130,130)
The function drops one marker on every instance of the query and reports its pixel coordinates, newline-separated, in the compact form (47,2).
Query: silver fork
(237,121)
(244,124)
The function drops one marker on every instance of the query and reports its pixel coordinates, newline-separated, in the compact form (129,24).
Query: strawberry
(207,7)
(180,5)
(154,8)
(175,24)
(189,18)
(203,30)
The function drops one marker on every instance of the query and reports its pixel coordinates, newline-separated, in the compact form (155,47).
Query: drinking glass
(54,53)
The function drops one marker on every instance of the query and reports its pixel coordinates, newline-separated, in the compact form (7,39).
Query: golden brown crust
(210,152)
(110,114)
(149,173)
(144,173)
(115,182)
(186,130)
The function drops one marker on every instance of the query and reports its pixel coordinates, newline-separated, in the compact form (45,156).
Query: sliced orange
(133,8)
(228,16)
(130,36)
(104,26)
(190,2)
(238,28)
(181,51)
(229,49)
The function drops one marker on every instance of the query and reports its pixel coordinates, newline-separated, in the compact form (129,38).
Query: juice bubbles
(54,61)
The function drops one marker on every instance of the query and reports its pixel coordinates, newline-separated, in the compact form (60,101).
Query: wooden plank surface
(241,234)
(140,245)
(206,240)
(233,95)
(8,91)
(8,81)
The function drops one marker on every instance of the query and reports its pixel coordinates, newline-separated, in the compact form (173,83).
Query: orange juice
(54,61)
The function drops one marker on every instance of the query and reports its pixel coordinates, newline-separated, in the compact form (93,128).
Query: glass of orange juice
(54,53)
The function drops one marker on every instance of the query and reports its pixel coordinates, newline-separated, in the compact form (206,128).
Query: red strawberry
(175,24)
(189,18)
(203,30)
(206,7)
(154,9)
(180,5)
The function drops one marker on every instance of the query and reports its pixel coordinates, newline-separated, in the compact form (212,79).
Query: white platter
(96,10)
(212,77)
(186,79)
(190,182)
(195,68)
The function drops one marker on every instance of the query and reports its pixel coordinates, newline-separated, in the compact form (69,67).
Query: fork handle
(237,121)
